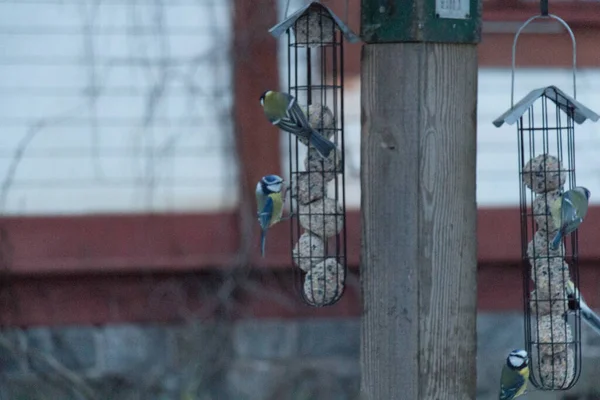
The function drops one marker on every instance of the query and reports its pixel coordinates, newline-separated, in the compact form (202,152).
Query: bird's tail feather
(321,144)
(590,317)
(263,239)
(556,240)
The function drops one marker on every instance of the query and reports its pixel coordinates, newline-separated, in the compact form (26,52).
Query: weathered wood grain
(418,256)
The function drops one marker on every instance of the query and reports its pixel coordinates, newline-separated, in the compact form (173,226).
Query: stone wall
(247,360)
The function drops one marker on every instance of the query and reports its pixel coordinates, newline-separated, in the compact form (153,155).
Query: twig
(60,370)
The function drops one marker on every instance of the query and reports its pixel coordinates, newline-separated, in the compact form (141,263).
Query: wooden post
(418,256)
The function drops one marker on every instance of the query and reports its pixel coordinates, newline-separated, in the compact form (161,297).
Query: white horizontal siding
(116,107)
(497,168)
(497,176)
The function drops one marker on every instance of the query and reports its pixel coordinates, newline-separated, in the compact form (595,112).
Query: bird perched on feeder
(568,212)
(270,191)
(576,302)
(515,375)
(282,110)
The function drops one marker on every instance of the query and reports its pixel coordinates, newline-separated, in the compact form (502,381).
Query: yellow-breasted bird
(515,375)
(576,302)
(282,110)
(568,212)
(269,201)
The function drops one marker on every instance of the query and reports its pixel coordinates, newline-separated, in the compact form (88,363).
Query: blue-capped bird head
(583,191)
(517,359)
(271,184)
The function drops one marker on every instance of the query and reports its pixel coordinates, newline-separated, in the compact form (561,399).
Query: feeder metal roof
(558,97)
(283,26)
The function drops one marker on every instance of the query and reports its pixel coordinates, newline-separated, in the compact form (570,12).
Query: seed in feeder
(539,247)
(310,187)
(322,217)
(328,167)
(557,372)
(544,301)
(546,270)
(320,118)
(553,334)
(541,174)
(324,282)
(310,250)
(314,28)
(541,211)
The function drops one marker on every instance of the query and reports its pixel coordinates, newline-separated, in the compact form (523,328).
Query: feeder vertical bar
(418,205)
(341,134)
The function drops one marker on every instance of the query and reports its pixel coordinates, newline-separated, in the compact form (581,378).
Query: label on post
(452,9)
(439,21)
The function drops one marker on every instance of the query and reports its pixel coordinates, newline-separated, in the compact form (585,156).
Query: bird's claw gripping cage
(318,231)
(546,120)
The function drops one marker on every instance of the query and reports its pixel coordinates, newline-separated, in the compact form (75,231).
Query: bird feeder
(546,120)
(318,229)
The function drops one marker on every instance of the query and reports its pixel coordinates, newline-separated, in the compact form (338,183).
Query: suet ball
(542,210)
(550,277)
(310,250)
(541,174)
(558,371)
(544,271)
(308,187)
(539,247)
(548,301)
(324,282)
(553,332)
(329,167)
(322,217)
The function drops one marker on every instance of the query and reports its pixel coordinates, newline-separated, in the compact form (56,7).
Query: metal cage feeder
(546,120)
(318,229)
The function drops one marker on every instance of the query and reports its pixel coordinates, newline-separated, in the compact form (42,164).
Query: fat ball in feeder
(310,250)
(324,282)
(544,174)
(539,247)
(322,217)
(554,334)
(308,187)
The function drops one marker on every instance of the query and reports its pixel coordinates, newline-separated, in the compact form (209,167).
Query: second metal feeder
(546,120)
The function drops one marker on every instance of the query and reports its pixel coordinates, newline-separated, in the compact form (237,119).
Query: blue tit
(568,212)
(269,201)
(576,302)
(515,375)
(282,110)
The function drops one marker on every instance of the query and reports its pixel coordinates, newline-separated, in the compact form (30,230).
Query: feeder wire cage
(546,154)
(318,229)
